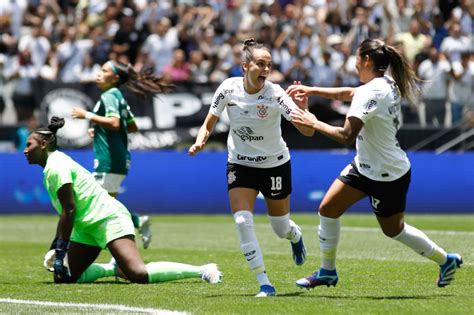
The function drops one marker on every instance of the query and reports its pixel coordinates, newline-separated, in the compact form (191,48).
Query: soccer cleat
(299,252)
(446,271)
(321,277)
(211,273)
(266,290)
(145,230)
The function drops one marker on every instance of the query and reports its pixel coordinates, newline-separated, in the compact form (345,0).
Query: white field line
(105,307)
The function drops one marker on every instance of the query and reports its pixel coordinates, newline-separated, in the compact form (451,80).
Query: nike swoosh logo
(231,104)
(275,194)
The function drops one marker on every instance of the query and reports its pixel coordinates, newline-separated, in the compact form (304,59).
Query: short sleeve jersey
(111,147)
(92,202)
(254,138)
(379,156)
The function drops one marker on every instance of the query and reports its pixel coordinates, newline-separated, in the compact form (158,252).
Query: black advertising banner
(168,120)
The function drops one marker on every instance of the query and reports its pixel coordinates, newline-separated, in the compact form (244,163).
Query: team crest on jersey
(231,177)
(262,111)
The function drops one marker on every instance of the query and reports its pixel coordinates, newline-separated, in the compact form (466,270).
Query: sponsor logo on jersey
(264,97)
(364,166)
(256,159)
(218,99)
(371,104)
(231,104)
(246,134)
(283,105)
(262,111)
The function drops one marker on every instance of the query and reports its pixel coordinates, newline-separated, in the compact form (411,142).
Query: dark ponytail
(143,83)
(383,56)
(49,133)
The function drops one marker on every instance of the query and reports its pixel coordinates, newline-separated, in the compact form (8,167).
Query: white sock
(249,245)
(285,228)
(420,243)
(329,231)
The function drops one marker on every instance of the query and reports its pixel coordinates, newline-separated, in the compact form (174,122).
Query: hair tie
(112,65)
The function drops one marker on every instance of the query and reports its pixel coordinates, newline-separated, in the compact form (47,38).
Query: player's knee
(138,275)
(243,219)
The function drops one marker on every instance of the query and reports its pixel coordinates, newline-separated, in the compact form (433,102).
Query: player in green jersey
(90,220)
(112,120)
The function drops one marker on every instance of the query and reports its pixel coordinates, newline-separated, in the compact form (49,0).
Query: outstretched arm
(203,134)
(345,135)
(344,94)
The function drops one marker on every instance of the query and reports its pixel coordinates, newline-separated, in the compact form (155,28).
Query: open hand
(78,113)
(304,117)
(195,148)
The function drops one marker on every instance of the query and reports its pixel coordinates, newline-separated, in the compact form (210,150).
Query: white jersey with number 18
(255,134)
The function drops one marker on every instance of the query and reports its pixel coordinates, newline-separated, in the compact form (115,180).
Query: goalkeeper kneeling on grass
(91,220)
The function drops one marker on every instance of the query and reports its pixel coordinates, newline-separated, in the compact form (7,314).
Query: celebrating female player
(258,160)
(381,169)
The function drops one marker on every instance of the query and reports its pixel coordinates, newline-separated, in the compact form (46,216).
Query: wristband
(54,243)
(89,115)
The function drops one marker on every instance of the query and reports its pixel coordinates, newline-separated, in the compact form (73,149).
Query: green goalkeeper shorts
(103,232)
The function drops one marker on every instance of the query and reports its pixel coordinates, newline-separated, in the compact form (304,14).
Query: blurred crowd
(199,41)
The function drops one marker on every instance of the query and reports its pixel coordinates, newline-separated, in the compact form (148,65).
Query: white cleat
(145,230)
(211,273)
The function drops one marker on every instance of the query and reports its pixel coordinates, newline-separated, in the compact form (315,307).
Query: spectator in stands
(71,54)
(159,45)
(462,86)
(178,70)
(21,70)
(380,170)
(413,42)
(259,160)
(456,43)
(435,75)
(127,39)
(199,67)
(112,120)
(83,207)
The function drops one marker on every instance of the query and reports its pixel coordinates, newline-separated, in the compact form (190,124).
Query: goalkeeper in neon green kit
(91,220)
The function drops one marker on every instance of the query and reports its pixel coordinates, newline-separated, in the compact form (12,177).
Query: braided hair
(49,133)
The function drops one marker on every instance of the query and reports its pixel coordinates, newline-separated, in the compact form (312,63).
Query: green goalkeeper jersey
(111,153)
(92,202)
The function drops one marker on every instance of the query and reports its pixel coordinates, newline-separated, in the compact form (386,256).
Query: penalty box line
(109,307)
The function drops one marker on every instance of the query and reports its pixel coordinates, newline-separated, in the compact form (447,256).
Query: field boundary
(105,307)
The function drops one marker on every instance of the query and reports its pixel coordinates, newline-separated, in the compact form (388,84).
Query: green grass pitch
(376,275)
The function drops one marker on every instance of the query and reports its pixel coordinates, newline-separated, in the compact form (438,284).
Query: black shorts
(273,183)
(386,198)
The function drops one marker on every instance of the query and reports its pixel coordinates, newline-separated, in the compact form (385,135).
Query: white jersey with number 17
(255,134)
(379,156)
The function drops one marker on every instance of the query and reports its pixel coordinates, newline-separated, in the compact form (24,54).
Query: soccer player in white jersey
(381,169)
(90,220)
(258,159)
